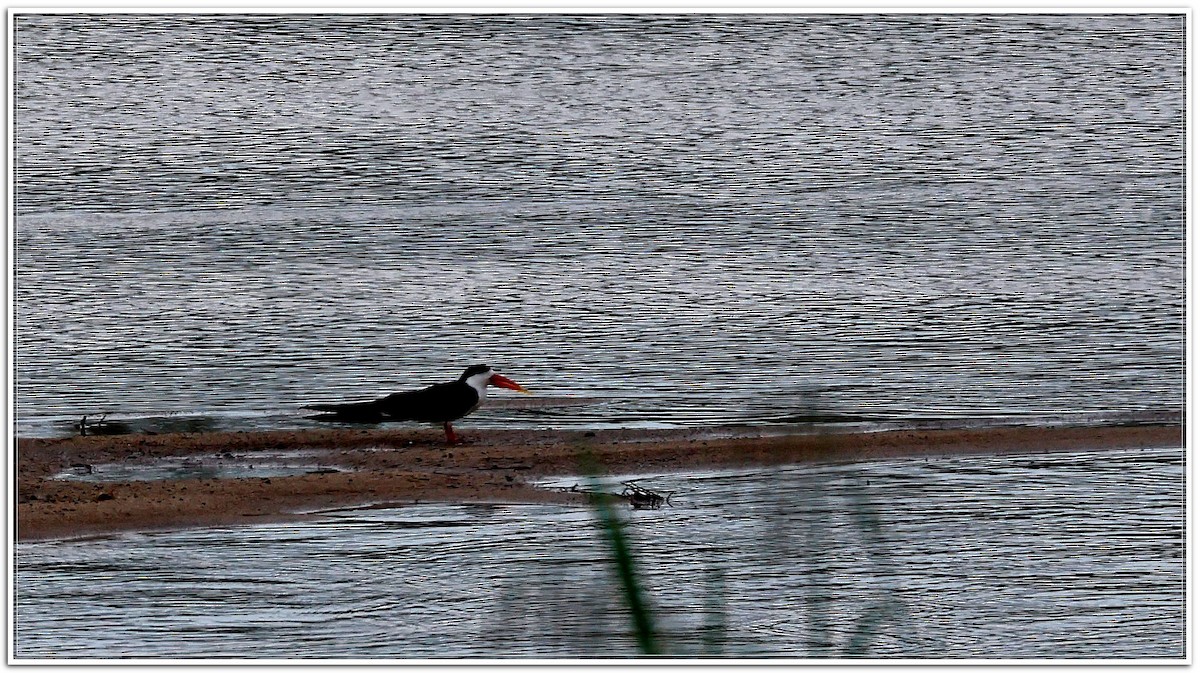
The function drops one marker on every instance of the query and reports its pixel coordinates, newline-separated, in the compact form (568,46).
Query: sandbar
(387,467)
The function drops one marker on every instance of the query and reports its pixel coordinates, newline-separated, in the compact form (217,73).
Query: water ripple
(697,217)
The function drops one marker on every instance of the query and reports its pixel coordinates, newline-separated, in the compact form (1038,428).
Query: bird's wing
(354,412)
(435,404)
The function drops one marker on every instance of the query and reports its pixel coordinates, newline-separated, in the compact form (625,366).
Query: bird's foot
(451,438)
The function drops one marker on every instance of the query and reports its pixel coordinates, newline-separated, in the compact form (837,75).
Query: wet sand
(389,467)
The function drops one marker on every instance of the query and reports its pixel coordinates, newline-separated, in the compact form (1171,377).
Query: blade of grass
(714,630)
(622,561)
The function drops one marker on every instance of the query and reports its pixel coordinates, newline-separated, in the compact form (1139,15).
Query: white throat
(480,383)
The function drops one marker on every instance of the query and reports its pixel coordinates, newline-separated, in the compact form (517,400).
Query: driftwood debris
(102,426)
(643,498)
(637,496)
(97,427)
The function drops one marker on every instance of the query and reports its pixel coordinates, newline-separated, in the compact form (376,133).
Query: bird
(440,403)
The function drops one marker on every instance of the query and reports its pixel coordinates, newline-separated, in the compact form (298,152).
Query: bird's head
(480,377)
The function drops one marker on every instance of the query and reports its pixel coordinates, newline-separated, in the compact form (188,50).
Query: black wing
(436,404)
(351,412)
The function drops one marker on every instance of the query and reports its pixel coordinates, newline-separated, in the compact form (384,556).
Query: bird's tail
(349,412)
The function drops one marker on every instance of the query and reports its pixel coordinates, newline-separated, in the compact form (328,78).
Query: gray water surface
(1050,556)
(657,221)
(694,219)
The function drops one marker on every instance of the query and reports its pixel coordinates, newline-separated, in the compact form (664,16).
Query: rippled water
(693,219)
(1063,555)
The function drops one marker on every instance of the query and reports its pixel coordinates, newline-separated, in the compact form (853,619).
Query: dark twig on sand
(642,498)
(637,496)
(94,426)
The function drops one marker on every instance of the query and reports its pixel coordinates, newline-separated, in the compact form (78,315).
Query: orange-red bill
(505,382)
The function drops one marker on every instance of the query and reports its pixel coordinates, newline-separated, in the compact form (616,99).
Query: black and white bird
(440,403)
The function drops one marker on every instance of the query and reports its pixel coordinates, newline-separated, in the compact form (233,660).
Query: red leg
(451,438)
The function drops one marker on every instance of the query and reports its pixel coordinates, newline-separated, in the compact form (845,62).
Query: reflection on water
(214,466)
(1068,555)
(558,413)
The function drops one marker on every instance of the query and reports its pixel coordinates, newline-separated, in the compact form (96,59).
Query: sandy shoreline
(399,466)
